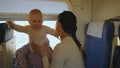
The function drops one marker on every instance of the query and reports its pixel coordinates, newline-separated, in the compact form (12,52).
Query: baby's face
(36,21)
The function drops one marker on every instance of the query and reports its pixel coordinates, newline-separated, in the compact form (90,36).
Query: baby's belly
(39,42)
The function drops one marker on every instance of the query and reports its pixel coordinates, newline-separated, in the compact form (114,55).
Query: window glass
(2,21)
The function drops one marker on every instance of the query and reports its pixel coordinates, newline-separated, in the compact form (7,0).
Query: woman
(68,53)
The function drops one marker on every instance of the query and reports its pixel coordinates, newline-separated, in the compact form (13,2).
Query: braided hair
(69,24)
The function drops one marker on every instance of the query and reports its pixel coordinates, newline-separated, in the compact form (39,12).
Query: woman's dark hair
(69,24)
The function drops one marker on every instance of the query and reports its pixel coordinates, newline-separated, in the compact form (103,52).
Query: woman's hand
(40,49)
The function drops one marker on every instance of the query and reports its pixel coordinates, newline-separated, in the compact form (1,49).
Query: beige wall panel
(83,13)
(105,9)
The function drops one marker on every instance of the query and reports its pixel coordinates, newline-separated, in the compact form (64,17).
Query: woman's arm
(41,50)
(58,58)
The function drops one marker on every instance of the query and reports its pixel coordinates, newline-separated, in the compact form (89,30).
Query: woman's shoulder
(57,46)
(61,46)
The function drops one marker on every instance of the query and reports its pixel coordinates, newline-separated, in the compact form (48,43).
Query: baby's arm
(16,27)
(52,32)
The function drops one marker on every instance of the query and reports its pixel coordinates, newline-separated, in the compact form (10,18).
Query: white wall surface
(83,12)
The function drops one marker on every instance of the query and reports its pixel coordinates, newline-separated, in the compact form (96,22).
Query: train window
(50,10)
(22,38)
(45,6)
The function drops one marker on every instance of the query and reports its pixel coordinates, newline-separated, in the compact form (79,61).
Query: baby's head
(35,18)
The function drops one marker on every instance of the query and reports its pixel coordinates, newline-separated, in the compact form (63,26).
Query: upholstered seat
(7,46)
(116,56)
(5,33)
(98,46)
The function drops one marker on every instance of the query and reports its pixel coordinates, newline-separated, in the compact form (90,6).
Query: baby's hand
(10,24)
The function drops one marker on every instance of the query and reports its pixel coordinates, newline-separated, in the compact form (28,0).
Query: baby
(36,31)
